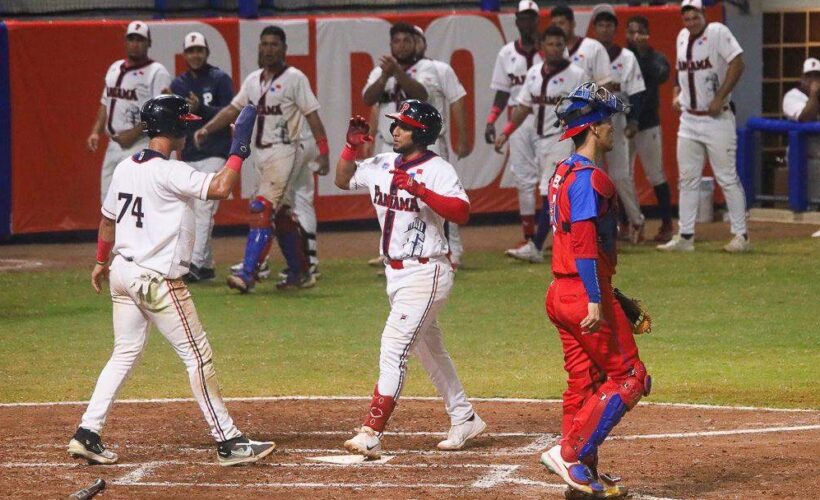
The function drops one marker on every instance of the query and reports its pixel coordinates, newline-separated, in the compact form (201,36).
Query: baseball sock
(543,224)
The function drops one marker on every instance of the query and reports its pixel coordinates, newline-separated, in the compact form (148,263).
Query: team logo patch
(404,107)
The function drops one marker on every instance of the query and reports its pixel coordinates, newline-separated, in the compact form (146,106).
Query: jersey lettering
(694,65)
(394,202)
(207,98)
(121,93)
(516,80)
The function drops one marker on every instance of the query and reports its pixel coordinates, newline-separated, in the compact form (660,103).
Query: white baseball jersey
(151,200)
(627,78)
(443,88)
(511,66)
(702,63)
(591,56)
(410,229)
(127,89)
(793,104)
(393,94)
(281,103)
(544,87)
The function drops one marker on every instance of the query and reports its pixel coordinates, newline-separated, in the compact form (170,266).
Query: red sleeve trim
(584,240)
(451,208)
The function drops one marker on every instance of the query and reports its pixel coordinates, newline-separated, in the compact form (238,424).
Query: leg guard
(259,237)
(600,414)
(381,407)
(543,223)
(291,242)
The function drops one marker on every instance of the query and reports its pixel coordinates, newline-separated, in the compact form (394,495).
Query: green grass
(728,330)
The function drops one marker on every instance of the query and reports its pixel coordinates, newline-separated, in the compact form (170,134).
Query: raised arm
(225,117)
(357,134)
(223,182)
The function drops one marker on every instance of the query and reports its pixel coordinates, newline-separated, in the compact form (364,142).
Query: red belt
(704,113)
(399,264)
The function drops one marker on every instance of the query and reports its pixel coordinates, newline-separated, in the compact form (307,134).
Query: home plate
(350,459)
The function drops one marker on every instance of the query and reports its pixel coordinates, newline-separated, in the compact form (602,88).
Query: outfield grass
(728,330)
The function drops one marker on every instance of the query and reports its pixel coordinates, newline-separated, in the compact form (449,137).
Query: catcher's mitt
(635,312)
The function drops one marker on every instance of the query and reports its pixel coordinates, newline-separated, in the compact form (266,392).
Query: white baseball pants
(620,171)
(114,154)
(204,211)
(648,145)
(550,152)
(524,164)
(700,137)
(143,297)
(304,188)
(417,293)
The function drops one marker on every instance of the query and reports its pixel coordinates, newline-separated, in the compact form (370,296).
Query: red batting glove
(358,132)
(403,181)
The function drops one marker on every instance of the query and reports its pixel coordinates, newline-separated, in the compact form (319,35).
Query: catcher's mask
(585,105)
(422,117)
(166,114)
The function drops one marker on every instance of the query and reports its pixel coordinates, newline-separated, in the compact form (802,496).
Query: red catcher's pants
(590,358)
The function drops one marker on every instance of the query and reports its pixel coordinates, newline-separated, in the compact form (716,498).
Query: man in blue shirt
(207,89)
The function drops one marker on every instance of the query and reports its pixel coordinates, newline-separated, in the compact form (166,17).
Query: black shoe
(242,450)
(307,280)
(197,274)
(88,445)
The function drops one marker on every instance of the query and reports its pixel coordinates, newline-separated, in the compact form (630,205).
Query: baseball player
(129,83)
(446,94)
(413,191)
(606,377)
(512,63)
(207,90)
(545,85)
(148,221)
(646,142)
(283,96)
(802,104)
(710,64)
(585,52)
(627,83)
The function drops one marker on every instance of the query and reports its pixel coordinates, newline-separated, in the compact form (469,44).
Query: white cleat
(263,273)
(816,234)
(366,442)
(738,244)
(678,244)
(459,434)
(526,252)
(577,475)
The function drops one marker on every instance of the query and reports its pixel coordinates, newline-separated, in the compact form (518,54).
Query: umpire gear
(422,117)
(166,114)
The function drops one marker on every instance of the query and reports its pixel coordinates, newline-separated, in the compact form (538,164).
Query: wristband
(493,116)
(234,163)
(103,249)
(349,153)
(322,145)
(509,128)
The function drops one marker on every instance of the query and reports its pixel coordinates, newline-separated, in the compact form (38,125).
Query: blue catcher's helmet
(585,105)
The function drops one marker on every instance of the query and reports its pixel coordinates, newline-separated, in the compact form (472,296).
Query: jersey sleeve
(109,206)
(242,98)
(371,78)
(600,65)
(446,183)
(583,200)
(500,81)
(303,96)
(634,81)
(524,97)
(185,182)
(364,173)
(793,105)
(727,45)
(162,81)
(453,89)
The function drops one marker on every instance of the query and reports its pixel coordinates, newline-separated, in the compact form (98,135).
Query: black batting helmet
(166,114)
(422,116)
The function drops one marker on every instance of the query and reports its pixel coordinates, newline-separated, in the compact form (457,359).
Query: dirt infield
(661,451)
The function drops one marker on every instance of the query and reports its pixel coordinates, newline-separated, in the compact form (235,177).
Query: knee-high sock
(543,223)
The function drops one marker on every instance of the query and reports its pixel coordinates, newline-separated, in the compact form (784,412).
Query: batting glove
(358,132)
(242,130)
(403,181)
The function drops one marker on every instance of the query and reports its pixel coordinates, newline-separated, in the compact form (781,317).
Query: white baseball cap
(698,4)
(138,28)
(603,8)
(194,39)
(525,5)
(811,65)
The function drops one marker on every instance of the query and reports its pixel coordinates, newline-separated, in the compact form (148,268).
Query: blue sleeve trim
(583,200)
(5,134)
(588,271)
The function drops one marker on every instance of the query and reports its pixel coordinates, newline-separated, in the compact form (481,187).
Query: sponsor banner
(56,71)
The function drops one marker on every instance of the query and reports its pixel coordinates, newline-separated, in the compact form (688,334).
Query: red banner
(57,70)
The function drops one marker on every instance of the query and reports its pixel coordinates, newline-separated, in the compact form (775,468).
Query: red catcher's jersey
(580,191)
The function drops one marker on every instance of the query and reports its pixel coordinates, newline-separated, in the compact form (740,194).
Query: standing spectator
(207,89)
(802,104)
(646,142)
(710,64)
(129,83)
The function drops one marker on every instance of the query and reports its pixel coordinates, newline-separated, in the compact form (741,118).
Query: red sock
(380,409)
(528,225)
